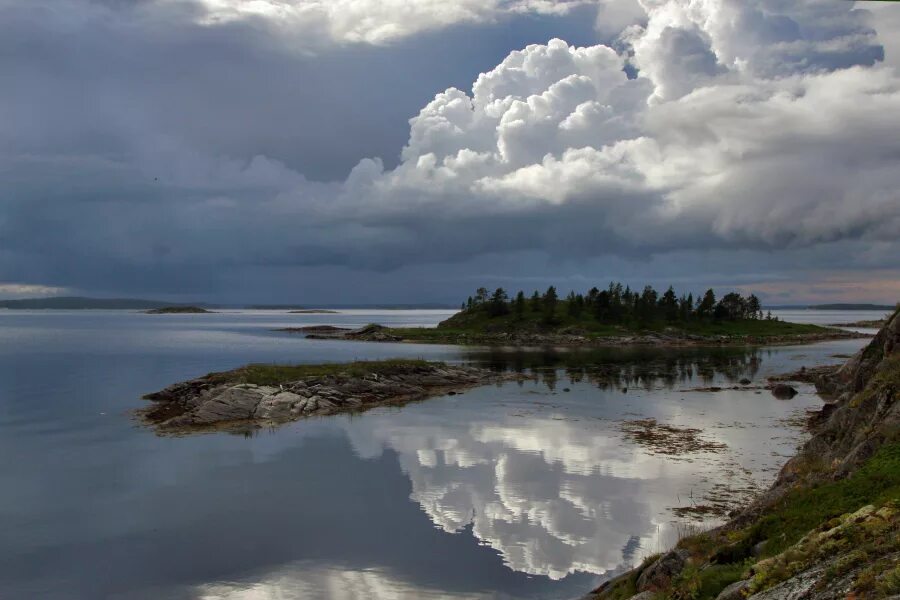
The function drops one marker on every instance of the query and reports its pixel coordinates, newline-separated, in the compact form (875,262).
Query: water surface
(516,491)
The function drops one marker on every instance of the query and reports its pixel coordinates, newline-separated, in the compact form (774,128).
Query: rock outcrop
(224,401)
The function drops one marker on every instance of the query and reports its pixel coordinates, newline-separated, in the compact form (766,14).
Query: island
(178,310)
(828,526)
(260,395)
(866,324)
(616,315)
(313,311)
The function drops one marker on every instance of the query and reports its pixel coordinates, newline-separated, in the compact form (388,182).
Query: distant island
(313,311)
(615,315)
(178,310)
(884,307)
(82,303)
(87,303)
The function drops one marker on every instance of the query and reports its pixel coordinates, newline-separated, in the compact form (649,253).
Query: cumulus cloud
(706,125)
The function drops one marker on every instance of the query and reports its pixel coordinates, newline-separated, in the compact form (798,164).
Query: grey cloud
(159,155)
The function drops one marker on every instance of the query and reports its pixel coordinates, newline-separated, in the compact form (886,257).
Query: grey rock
(659,574)
(235,403)
(643,596)
(759,548)
(735,591)
(782,391)
(795,588)
(277,406)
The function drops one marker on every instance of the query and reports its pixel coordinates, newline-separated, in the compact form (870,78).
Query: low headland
(261,395)
(178,310)
(867,324)
(614,316)
(828,528)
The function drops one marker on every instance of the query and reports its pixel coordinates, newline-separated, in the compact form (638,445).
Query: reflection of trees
(645,368)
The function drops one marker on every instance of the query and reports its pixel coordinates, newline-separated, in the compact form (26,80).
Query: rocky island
(264,395)
(828,528)
(615,316)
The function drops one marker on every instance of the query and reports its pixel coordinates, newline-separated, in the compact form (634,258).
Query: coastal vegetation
(617,305)
(615,313)
(828,528)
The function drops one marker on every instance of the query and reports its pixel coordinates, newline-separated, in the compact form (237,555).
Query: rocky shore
(262,395)
(379,333)
(829,527)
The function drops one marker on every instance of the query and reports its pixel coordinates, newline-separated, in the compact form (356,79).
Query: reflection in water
(302,581)
(547,478)
(644,367)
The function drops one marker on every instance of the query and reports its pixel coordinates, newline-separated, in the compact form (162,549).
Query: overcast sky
(353,151)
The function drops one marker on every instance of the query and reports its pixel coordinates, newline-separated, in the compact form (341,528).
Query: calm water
(517,491)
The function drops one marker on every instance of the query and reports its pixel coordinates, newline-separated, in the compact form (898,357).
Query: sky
(375,151)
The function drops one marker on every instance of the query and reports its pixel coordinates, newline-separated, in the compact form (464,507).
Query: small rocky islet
(266,395)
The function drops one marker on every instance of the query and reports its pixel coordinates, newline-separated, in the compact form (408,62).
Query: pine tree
(707,305)
(550,301)
(520,304)
(753,307)
(669,305)
(497,304)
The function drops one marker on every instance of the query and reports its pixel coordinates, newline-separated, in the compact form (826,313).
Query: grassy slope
(806,508)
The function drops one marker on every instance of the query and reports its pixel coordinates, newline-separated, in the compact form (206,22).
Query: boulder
(660,574)
(235,403)
(783,391)
(735,591)
(278,406)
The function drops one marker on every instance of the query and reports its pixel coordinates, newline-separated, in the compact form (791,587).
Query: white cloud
(746,125)
(25,290)
(370,21)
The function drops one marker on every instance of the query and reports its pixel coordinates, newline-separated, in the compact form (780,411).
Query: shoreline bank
(379,333)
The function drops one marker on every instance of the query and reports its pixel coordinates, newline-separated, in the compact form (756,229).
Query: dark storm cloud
(166,147)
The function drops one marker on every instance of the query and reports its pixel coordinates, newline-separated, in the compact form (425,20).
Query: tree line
(617,304)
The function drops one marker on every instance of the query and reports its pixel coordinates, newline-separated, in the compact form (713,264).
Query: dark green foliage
(707,305)
(620,306)
(549,303)
(519,305)
(498,305)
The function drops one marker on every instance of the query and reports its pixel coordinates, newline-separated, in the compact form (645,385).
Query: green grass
(706,583)
(804,509)
(274,374)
